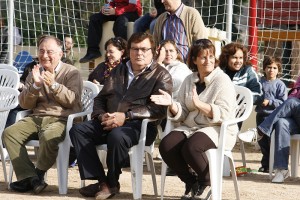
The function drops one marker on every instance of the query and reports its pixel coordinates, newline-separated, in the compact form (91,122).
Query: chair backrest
(8,101)
(90,91)
(9,67)
(245,103)
(9,78)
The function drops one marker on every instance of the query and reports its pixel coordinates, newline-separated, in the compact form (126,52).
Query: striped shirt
(173,29)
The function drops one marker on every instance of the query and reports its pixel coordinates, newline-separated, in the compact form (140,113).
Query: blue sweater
(248,78)
(275,91)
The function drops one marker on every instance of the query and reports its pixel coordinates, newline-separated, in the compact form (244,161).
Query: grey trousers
(50,131)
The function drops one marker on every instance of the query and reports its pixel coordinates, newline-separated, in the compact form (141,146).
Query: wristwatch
(127,116)
(54,86)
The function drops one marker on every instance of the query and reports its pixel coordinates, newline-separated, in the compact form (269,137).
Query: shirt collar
(129,66)
(178,11)
(57,68)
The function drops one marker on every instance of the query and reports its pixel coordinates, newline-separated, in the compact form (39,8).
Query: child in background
(274,94)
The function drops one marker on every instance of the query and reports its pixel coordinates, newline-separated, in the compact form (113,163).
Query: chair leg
(272,154)
(163,179)
(152,170)
(62,162)
(136,167)
(242,149)
(234,178)
(147,162)
(11,173)
(216,177)
(295,145)
(3,163)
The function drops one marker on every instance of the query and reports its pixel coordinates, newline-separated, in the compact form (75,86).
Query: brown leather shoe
(106,192)
(90,190)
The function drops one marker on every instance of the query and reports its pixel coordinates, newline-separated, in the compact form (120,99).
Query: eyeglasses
(144,50)
(49,52)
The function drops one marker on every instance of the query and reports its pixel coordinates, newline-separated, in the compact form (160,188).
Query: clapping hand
(163,99)
(49,77)
(38,76)
(195,97)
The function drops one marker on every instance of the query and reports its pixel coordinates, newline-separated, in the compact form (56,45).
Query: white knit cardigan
(220,94)
(179,71)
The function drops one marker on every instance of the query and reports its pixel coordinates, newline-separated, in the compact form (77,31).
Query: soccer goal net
(265,27)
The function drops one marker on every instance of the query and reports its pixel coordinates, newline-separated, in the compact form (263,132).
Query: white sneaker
(5,153)
(248,136)
(280,175)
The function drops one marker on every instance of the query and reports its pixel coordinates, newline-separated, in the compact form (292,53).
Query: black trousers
(85,136)
(264,143)
(180,153)
(119,28)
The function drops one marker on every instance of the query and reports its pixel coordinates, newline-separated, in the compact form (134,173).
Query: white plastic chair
(9,78)
(216,156)
(8,101)
(136,155)
(90,91)
(9,67)
(294,152)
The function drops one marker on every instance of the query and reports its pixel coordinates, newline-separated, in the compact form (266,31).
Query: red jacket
(122,6)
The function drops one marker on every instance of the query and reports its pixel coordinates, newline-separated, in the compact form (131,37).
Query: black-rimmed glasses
(144,50)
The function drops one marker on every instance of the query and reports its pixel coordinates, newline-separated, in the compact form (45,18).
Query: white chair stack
(8,101)
(9,81)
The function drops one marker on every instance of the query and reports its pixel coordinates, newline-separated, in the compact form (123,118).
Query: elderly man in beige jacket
(52,91)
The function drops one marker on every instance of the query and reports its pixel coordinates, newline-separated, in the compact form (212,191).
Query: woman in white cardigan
(170,58)
(206,98)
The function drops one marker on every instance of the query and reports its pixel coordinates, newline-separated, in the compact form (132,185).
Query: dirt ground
(253,186)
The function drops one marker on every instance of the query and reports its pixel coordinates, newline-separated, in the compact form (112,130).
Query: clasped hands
(108,11)
(112,120)
(40,76)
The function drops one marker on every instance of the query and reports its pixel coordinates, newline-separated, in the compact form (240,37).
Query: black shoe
(38,185)
(263,169)
(89,57)
(170,172)
(189,191)
(40,173)
(202,193)
(22,185)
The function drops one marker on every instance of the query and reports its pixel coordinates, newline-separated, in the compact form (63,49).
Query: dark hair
(119,43)
(197,48)
(229,50)
(139,37)
(43,38)
(163,42)
(269,60)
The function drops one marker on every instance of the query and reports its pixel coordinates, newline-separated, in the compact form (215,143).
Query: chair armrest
(76,115)
(142,139)
(23,113)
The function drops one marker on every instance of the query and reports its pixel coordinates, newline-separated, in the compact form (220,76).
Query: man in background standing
(180,23)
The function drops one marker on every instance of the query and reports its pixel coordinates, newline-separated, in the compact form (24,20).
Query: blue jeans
(285,121)
(144,23)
